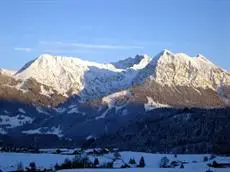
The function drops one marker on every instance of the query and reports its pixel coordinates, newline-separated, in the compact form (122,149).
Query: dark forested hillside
(178,131)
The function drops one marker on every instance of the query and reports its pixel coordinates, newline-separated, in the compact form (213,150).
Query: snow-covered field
(194,163)
(143,170)
(9,161)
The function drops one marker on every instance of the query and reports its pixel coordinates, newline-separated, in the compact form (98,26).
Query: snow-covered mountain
(178,74)
(68,75)
(170,69)
(62,95)
(180,80)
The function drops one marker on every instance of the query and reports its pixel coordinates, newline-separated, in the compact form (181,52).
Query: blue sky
(109,30)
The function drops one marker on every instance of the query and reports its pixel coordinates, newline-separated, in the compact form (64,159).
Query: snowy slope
(139,60)
(170,69)
(12,122)
(76,76)
(7,72)
(151,104)
(142,170)
(53,130)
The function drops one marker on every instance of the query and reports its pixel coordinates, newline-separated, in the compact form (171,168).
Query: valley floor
(194,163)
(144,170)
(9,161)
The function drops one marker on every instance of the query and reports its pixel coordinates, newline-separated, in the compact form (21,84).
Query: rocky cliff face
(28,91)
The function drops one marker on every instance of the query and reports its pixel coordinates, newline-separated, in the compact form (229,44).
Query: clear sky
(109,30)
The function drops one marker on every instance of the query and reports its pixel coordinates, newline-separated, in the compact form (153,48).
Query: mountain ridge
(68,76)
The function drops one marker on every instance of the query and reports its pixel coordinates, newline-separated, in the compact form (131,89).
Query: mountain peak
(166,52)
(203,60)
(168,56)
(48,58)
(164,55)
(45,56)
(138,60)
(200,56)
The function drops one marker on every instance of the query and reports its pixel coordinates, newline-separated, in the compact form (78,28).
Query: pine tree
(32,166)
(142,162)
(132,161)
(96,162)
(164,162)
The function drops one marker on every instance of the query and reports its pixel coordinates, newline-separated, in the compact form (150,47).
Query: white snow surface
(34,131)
(7,72)
(138,62)
(9,161)
(53,130)
(152,162)
(142,170)
(6,112)
(111,99)
(20,86)
(72,106)
(73,110)
(21,111)
(151,104)
(103,115)
(60,110)
(15,121)
(89,137)
(143,63)
(46,92)
(2,131)
(41,110)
